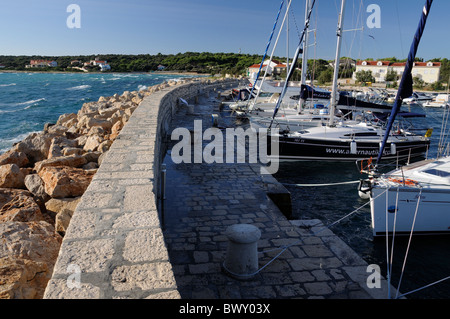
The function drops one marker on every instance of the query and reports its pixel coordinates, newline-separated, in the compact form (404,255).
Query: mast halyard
(335,92)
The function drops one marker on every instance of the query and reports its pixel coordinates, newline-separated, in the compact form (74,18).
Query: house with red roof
(429,72)
(42,64)
(275,67)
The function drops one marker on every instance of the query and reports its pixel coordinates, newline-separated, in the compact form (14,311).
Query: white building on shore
(42,64)
(274,67)
(104,66)
(429,72)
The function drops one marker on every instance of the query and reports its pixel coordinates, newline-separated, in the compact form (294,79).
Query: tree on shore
(364,76)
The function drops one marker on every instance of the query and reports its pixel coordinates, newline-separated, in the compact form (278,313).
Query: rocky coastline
(42,179)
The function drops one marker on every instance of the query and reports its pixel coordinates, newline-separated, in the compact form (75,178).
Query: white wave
(10,84)
(142,87)
(32,101)
(79,87)
(11,141)
(7,111)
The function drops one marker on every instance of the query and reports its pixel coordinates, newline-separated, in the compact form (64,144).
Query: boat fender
(364,189)
(393,148)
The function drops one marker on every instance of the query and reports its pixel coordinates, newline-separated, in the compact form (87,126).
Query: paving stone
(318,288)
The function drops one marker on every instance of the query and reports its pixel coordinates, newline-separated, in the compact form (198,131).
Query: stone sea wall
(43,178)
(115,235)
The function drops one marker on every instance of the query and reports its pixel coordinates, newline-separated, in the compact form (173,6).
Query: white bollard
(242,254)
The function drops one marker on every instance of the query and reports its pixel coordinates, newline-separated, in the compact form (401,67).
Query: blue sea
(29,100)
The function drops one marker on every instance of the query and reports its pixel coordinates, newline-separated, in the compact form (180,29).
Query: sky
(39,27)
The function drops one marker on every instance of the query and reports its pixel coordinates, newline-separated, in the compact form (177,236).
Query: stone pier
(124,243)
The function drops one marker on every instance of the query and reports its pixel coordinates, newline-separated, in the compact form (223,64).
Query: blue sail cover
(308,92)
(405,88)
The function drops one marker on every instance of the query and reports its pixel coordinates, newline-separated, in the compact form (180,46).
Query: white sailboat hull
(390,214)
(419,193)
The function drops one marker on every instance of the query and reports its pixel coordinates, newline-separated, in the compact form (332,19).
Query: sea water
(28,100)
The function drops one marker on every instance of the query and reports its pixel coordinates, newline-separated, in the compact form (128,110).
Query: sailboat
(344,140)
(415,198)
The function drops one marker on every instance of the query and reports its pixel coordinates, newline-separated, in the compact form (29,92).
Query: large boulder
(72,161)
(28,252)
(115,130)
(11,176)
(35,146)
(13,157)
(64,181)
(62,209)
(92,143)
(36,186)
(18,205)
(66,118)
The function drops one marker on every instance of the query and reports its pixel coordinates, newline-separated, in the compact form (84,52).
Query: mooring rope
(320,185)
(285,247)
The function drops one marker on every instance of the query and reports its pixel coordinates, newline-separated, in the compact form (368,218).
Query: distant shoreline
(111,72)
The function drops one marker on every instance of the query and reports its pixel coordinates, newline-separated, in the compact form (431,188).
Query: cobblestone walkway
(202,200)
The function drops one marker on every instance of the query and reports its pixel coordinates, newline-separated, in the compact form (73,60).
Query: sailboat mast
(334,91)
(287,39)
(405,89)
(304,56)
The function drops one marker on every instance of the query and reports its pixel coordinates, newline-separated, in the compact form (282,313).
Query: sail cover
(405,87)
(355,104)
(308,92)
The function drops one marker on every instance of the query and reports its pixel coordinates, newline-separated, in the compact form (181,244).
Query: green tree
(325,76)
(418,82)
(364,76)
(437,86)
(391,76)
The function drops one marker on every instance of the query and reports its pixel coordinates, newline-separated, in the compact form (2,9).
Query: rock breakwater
(41,181)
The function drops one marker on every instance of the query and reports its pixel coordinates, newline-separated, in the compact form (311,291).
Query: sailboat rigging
(338,139)
(408,185)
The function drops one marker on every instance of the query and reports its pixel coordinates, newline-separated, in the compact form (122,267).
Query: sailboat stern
(403,209)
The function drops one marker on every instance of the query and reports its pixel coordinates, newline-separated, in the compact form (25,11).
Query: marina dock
(125,241)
